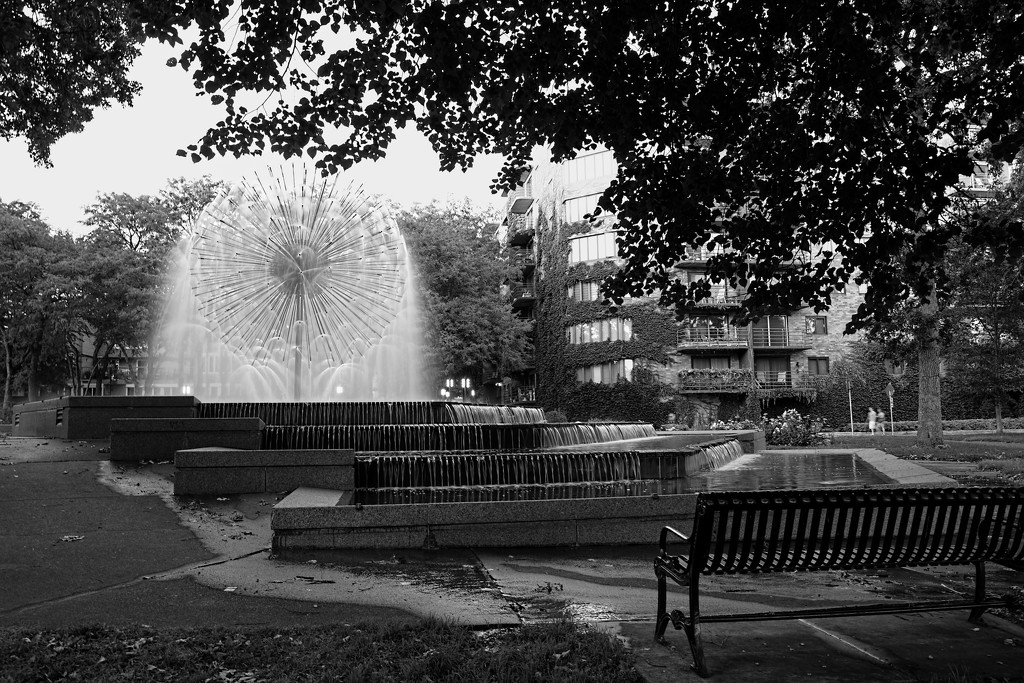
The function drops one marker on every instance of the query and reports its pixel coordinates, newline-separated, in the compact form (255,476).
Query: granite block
(210,481)
(234,457)
(504,534)
(290,478)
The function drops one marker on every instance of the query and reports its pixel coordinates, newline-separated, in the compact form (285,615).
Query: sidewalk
(84,541)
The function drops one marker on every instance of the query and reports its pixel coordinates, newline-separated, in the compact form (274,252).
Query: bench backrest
(770,531)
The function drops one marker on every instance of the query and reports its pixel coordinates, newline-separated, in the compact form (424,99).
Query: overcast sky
(133,150)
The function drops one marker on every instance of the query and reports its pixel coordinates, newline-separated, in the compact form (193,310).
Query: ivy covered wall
(650,396)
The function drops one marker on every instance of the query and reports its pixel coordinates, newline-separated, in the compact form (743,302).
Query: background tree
(122,272)
(186,198)
(985,337)
(142,224)
(31,297)
(470,326)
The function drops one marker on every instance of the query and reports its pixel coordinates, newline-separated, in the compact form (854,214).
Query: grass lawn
(435,651)
(1002,453)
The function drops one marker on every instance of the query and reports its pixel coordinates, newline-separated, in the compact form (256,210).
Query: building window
(593,247)
(709,362)
(606,373)
(578,207)
(817,366)
(816,324)
(862,288)
(590,166)
(585,290)
(609,329)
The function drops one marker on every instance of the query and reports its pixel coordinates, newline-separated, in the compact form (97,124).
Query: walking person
(872,416)
(880,418)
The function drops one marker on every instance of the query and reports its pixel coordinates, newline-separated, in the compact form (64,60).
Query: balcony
(715,381)
(524,294)
(711,338)
(722,297)
(520,230)
(524,259)
(788,382)
(700,255)
(517,395)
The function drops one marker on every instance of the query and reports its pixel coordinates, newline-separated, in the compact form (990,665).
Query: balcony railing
(789,380)
(523,294)
(737,380)
(524,259)
(715,381)
(722,297)
(701,254)
(713,337)
(766,338)
(522,395)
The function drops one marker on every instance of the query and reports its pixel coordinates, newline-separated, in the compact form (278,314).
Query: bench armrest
(665,531)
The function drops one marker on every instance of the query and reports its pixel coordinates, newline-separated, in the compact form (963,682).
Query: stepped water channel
(432,473)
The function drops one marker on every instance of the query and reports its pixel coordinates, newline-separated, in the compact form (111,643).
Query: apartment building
(705,357)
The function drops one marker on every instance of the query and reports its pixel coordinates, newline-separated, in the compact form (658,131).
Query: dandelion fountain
(292,287)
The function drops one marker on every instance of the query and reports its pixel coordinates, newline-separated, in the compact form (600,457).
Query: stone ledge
(220,471)
(136,439)
(313,518)
(235,457)
(185,424)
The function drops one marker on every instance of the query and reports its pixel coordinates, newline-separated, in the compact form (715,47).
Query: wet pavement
(85,540)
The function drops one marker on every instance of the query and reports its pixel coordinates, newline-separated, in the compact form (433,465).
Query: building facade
(708,364)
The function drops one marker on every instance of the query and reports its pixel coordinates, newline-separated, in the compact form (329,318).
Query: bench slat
(805,531)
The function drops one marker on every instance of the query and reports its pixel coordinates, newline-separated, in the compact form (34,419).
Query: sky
(133,150)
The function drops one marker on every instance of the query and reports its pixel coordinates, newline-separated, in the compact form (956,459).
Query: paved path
(84,540)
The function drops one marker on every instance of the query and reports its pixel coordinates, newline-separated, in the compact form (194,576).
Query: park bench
(841,529)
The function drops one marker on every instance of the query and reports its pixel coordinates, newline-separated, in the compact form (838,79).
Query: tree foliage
(63,300)
(33,300)
(59,61)
(470,325)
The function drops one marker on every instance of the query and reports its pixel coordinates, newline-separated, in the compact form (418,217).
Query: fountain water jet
(292,287)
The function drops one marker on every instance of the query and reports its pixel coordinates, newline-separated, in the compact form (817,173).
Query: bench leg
(661,615)
(692,628)
(979,591)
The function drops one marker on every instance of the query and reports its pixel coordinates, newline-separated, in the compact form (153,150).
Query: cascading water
(291,289)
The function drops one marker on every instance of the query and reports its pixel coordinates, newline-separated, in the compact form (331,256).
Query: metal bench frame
(821,530)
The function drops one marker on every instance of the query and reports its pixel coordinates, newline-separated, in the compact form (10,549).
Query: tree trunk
(33,378)
(7,375)
(929,402)
(999,415)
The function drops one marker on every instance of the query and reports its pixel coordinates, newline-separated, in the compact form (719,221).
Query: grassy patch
(955,449)
(435,651)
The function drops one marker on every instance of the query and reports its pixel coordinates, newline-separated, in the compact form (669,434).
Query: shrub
(735,424)
(555,416)
(793,429)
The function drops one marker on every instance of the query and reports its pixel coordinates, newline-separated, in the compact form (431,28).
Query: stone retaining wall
(209,471)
